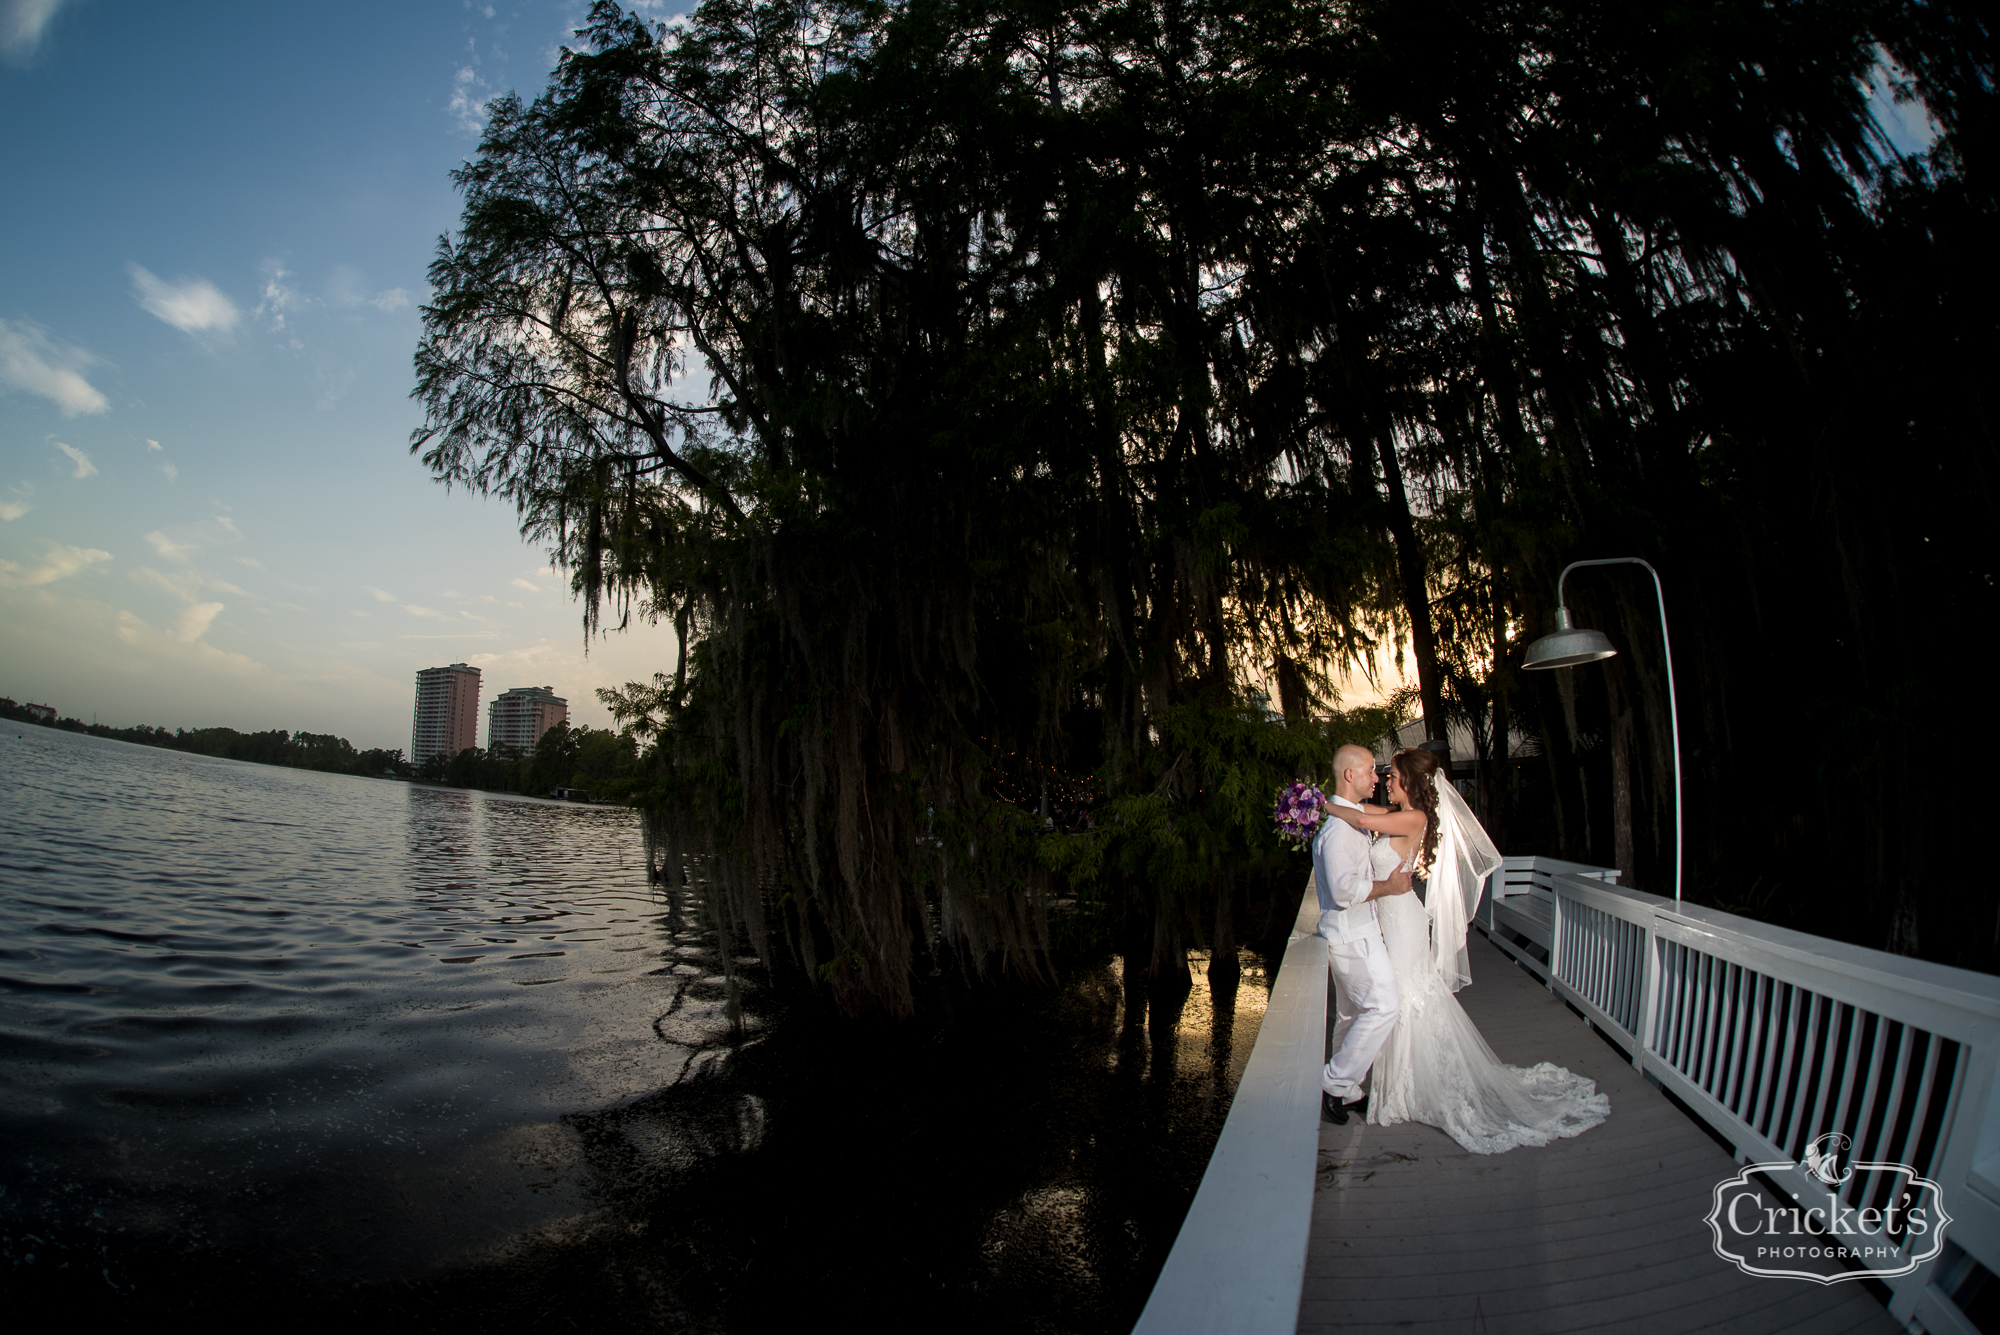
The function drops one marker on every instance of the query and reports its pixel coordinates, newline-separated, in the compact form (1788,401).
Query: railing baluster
(1718,973)
(1809,1091)
(1555,934)
(1644,1035)
(1883,1129)
(1768,1074)
(1838,1079)
(1861,1082)
(1886,1059)
(1862,1049)
(1600,983)
(1691,969)
(1587,920)
(1638,939)
(1753,1033)
(1907,1144)
(1619,971)
(1690,980)
(1671,1001)
(1609,975)
(1732,1076)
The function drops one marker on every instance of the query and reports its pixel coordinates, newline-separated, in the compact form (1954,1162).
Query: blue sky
(216,224)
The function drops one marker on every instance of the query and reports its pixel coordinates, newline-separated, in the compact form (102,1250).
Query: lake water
(421,1055)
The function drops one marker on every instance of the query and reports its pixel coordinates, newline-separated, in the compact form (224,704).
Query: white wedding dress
(1436,1067)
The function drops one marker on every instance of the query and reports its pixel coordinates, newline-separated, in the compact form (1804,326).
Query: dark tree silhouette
(988,391)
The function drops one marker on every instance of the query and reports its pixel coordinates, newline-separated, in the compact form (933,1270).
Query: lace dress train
(1436,1066)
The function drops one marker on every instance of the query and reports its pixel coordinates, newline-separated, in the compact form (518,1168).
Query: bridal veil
(1465,858)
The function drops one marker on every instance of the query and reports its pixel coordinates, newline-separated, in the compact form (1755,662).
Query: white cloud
(13,509)
(195,622)
(170,471)
(84,468)
(166,546)
(30,362)
(417,611)
(251,561)
(175,545)
(348,287)
(279,297)
(58,561)
(467,106)
(130,628)
(22,24)
(152,445)
(191,305)
(381,595)
(523,584)
(183,586)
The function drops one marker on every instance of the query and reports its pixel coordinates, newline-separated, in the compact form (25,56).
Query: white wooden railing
(1772,1037)
(1239,1263)
(1775,1037)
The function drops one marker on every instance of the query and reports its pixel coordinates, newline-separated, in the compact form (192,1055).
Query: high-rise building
(447,718)
(519,717)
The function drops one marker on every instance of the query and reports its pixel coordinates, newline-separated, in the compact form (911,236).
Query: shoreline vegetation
(597,760)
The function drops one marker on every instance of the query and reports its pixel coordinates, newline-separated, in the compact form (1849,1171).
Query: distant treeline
(295,750)
(603,763)
(606,764)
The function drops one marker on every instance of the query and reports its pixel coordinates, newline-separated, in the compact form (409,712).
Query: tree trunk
(1222,961)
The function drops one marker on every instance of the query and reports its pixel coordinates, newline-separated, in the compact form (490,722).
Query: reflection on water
(425,1055)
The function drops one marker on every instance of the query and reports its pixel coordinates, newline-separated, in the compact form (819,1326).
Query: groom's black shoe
(1336,1112)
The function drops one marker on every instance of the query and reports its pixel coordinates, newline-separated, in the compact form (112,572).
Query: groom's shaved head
(1352,757)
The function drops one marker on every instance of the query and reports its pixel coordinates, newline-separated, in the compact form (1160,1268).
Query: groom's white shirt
(1345,877)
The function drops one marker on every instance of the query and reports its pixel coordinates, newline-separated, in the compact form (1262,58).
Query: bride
(1435,1066)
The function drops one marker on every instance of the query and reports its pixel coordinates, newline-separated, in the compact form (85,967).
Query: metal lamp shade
(1568,646)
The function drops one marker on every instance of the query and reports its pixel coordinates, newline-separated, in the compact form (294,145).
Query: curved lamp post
(1568,647)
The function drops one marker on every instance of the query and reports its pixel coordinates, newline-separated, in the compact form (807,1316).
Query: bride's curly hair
(1418,769)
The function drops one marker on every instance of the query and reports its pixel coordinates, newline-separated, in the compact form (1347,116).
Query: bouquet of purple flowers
(1298,812)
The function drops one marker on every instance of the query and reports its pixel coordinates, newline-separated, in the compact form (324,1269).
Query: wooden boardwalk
(1412,1234)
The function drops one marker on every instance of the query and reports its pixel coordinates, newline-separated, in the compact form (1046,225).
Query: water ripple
(227,981)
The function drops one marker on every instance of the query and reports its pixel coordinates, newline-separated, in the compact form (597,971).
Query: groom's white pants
(1365,1006)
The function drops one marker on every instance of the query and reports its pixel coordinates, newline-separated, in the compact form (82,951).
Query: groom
(1366,987)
